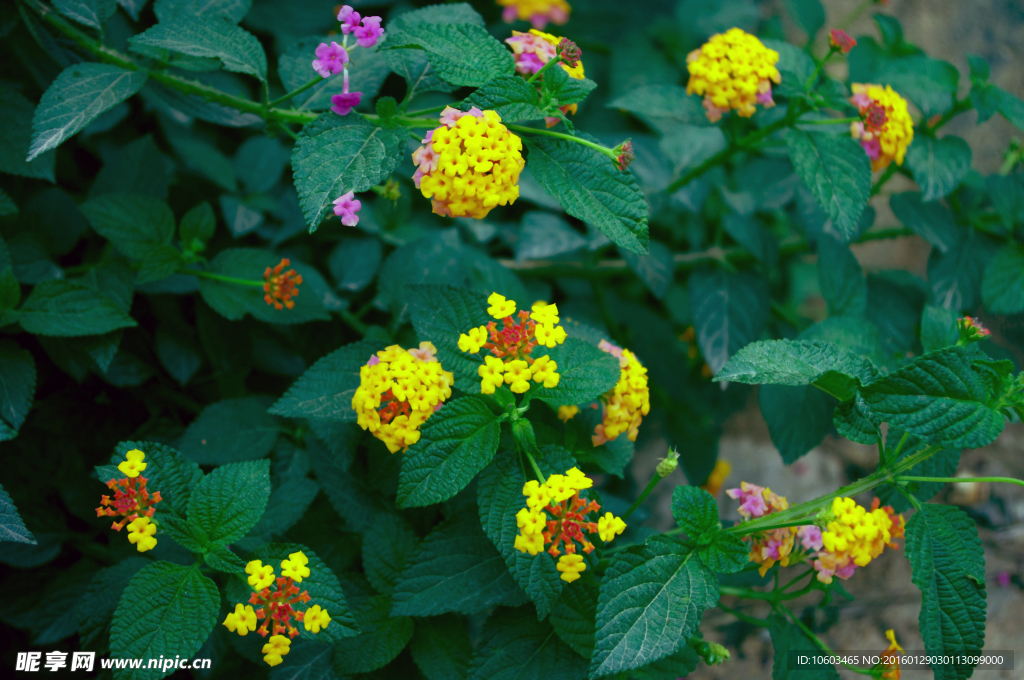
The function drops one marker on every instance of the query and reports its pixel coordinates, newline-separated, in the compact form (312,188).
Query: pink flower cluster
(777,545)
(530,52)
(330,59)
(346,206)
(367,30)
(425,157)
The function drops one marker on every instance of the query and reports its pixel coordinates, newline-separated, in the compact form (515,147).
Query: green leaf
(515,645)
(168,11)
(937,397)
(233,301)
(388,548)
(586,372)
(134,223)
(656,269)
(726,554)
(948,564)
(838,173)
(1002,288)
(230,431)
(1011,107)
(941,464)
(229,501)
(212,37)
(92,13)
(159,263)
(854,421)
(455,570)
(563,89)
(335,155)
(652,600)
(220,558)
(931,84)
(441,648)
(17,383)
(380,640)
(325,391)
(78,95)
(932,221)
(573,617)
(1007,195)
(809,15)
(96,608)
(841,278)
(462,54)
(168,472)
(544,235)
(795,67)
(589,186)
(956,277)
(166,610)
(16,136)
(938,328)
(323,588)
(667,104)
(730,310)
(70,309)
(800,362)
(939,165)
(750,234)
(197,224)
(420,76)
(455,444)
(439,315)
(696,513)
(788,639)
(12,527)
(510,96)
(798,417)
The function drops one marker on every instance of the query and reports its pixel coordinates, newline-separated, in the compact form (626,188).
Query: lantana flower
(624,406)
(330,59)
(132,501)
(885,129)
(279,286)
(556,516)
(511,360)
(537,12)
(398,391)
(840,40)
(469,165)
(346,206)
(533,50)
(276,599)
(733,71)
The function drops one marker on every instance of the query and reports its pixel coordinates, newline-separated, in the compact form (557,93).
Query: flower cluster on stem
(279,286)
(537,12)
(132,501)
(885,129)
(733,71)
(533,51)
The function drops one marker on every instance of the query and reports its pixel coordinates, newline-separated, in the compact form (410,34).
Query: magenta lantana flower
(330,59)
(346,207)
(349,19)
(342,104)
(368,34)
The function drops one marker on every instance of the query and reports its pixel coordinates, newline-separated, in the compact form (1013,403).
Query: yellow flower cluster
(886,129)
(559,497)
(470,164)
(537,12)
(140,534)
(398,391)
(855,537)
(734,71)
(625,405)
(511,361)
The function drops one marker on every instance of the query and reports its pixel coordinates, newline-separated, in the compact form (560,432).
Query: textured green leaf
(932,221)
(440,314)
(956,277)
(853,420)
(455,570)
(788,639)
(809,15)
(323,588)
(1011,107)
(656,269)
(800,362)
(573,617)
(937,397)
(325,391)
(652,599)
(586,372)
(78,95)
(388,548)
(514,646)
(288,503)
(696,513)
(931,84)
(441,648)
(92,13)
(795,67)
(838,173)
(174,10)
(211,37)
(462,54)
(96,608)
(17,383)
(726,554)
(798,417)
(70,309)
(948,564)
(380,640)
(456,443)
(669,103)
(544,235)
(16,136)
(134,223)
(358,506)
(750,234)
(166,610)
(1002,288)
(229,501)
(419,75)
(938,328)
(159,263)
(307,661)
(563,89)
(234,301)
(510,96)
(730,310)
(589,186)
(12,527)
(335,155)
(841,278)
(938,165)
(230,431)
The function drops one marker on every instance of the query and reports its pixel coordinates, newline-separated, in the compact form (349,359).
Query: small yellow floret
(133,465)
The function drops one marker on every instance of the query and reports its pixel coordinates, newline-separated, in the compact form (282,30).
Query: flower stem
(784,611)
(559,135)
(829,121)
(220,277)
(752,620)
(956,480)
(545,67)
(820,64)
(300,90)
(533,464)
(427,112)
(643,496)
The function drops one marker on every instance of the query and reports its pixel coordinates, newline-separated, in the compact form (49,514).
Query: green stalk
(955,480)
(559,135)
(781,609)
(545,67)
(819,65)
(536,468)
(220,277)
(829,121)
(300,90)
(752,620)
(643,496)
